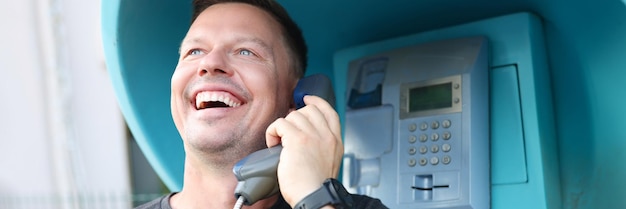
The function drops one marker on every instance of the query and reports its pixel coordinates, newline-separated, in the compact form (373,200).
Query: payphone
(417,125)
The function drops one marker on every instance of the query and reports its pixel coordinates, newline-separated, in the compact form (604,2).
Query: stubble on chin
(225,151)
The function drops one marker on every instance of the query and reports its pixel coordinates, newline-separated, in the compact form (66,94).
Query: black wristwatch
(332,193)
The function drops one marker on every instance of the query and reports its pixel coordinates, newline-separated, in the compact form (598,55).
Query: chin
(230,147)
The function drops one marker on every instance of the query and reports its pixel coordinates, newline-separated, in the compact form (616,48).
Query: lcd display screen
(430,97)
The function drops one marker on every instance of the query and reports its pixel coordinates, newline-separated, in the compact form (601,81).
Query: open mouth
(206,100)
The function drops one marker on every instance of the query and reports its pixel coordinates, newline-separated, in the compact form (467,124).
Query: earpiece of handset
(318,85)
(256,173)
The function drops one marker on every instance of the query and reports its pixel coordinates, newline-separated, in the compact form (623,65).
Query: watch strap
(319,198)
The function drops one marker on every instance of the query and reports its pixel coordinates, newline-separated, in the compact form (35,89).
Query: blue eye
(195,52)
(245,52)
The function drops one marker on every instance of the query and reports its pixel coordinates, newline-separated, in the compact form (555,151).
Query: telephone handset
(256,173)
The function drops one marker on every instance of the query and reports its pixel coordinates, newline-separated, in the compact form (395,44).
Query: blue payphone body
(517,79)
(417,125)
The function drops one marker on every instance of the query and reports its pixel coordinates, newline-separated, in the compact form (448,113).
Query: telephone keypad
(431,142)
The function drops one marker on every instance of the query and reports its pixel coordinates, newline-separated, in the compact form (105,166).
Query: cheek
(287,85)
(284,93)
(259,83)
(177,80)
(181,77)
(176,114)
(177,102)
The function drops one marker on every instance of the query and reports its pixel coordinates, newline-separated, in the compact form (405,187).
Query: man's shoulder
(360,202)
(159,203)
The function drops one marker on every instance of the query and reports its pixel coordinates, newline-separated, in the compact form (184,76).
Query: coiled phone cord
(239,202)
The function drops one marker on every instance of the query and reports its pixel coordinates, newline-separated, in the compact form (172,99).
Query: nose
(214,63)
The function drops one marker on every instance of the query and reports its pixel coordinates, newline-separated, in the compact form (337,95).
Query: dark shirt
(360,202)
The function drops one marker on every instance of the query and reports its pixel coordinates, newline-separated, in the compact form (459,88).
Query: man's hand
(312,148)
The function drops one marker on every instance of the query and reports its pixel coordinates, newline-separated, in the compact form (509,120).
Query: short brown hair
(291,31)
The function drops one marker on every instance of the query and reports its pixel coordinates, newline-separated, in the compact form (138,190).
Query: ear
(292,105)
(292,101)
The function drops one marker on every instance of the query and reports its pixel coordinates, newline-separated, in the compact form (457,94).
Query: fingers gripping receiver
(256,173)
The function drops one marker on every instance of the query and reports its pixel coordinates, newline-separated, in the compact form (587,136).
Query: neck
(207,186)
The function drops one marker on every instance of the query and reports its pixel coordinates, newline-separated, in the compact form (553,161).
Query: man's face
(232,79)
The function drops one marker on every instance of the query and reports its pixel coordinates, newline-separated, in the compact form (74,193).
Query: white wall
(61,132)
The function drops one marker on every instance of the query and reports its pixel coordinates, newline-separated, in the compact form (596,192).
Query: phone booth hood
(586,50)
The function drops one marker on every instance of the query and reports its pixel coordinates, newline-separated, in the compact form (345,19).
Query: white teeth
(214,97)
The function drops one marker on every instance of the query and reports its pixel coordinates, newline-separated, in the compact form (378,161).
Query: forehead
(236,19)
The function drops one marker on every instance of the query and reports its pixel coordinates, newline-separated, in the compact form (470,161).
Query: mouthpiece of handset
(256,174)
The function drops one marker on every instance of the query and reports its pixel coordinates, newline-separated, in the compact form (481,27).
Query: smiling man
(232,95)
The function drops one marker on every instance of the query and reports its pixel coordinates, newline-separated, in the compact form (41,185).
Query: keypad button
(434,136)
(412,162)
(434,160)
(423,161)
(446,135)
(423,149)
(446,147)
(423,138)
(434,125)
(434,148)
(412,127)
(412,150)
(446,123)
(412,139)
(446,159)
(423,126)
